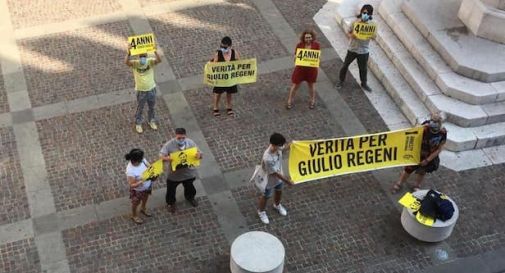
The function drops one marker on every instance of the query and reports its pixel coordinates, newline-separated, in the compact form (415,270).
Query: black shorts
(229,90)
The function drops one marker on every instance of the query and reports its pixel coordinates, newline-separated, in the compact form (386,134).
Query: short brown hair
(308,31)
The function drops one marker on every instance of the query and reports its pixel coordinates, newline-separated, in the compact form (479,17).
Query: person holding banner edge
(145,87)
(185,175)
(139,189)
(434,138)
(272,165)
(224,54)
(301,73)
(358,49)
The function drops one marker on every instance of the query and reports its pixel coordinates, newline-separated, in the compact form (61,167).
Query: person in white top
(139,189)
(272,165)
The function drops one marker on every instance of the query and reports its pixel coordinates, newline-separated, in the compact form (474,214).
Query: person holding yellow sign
(224,54)
(183,172)
(140,189)
(304,73)
(145,86)
(359,47)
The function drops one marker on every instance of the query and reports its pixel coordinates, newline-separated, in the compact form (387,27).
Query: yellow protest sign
(409,201)
(142,44)
(364,31)
(156,169)
(315,159)
(225,74)
(307,57)
(425,220)
(184,159)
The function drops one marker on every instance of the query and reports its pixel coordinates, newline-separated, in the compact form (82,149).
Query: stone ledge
(450,83)
(447,34)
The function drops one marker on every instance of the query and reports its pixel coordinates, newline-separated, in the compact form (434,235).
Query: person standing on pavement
(184,175)
(272,165)
(434,138)
(145,87)
(302,73)
(224,54)
(139,189)
(358,49)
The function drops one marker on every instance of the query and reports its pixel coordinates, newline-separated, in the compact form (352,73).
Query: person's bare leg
(216,99)
(228,101)
(397,185)
(312,93)
(144,202)
(292,93)
(262,203)
(277,197)
(419,180)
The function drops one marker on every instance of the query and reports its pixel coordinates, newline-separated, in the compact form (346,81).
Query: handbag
(259,178)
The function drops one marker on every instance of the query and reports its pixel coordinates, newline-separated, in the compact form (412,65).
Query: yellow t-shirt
(144,75)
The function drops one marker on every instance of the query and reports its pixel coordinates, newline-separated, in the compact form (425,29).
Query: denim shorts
(268,191)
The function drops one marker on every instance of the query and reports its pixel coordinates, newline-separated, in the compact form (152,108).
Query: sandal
(230,112)
(312,105)
(289,106)
(144,211)
(137,220)
(216,113)
(395,188)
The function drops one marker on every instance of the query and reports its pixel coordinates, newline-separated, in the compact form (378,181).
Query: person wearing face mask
(224,54)
(184,175)
(139,189)
(434,138)
(358,49)
(272,165)
(302,73)
(145,87)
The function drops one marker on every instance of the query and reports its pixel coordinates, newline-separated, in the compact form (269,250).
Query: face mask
(181,142)
(143,60)
(225,49)
(365,17)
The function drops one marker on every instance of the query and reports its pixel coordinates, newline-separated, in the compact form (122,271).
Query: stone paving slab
(84,152)
(299,14)
(12,196)
(19,256)
(190,37)
(355,97)
(4,104)
(342,224)
(260,110)
(27,13)
(189,241)
(76,64)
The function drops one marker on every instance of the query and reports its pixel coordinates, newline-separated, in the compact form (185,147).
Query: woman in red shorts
(303,73)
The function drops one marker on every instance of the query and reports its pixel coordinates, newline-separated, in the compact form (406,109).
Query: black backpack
(435,205)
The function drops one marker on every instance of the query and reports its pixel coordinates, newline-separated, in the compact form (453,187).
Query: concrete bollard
(438,232)
(255,252)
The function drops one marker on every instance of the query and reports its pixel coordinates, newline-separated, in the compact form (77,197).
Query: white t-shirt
(136,172)
(273,164)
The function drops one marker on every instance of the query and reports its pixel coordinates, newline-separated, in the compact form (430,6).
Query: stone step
(461,113)
(450,83)
(467,54)
(460,138)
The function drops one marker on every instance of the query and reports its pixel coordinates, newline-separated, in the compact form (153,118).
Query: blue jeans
(268,191)
(142,98)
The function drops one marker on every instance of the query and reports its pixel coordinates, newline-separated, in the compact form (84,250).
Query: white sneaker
(153,125)
(281,209)
(263,217)
(139,129)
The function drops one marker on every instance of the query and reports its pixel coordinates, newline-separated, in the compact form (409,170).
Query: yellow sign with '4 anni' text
(307,57)
(141,44)
(364,31)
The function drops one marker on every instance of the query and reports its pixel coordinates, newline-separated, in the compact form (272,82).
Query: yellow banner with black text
(226,74)
(316,159)
(141,44)
(364,31)
(307,57)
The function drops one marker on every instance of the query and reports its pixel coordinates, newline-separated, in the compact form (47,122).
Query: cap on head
(180,131)
(277,139)
(435,123)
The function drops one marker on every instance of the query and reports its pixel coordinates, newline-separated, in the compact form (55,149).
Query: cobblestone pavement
(343,224)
